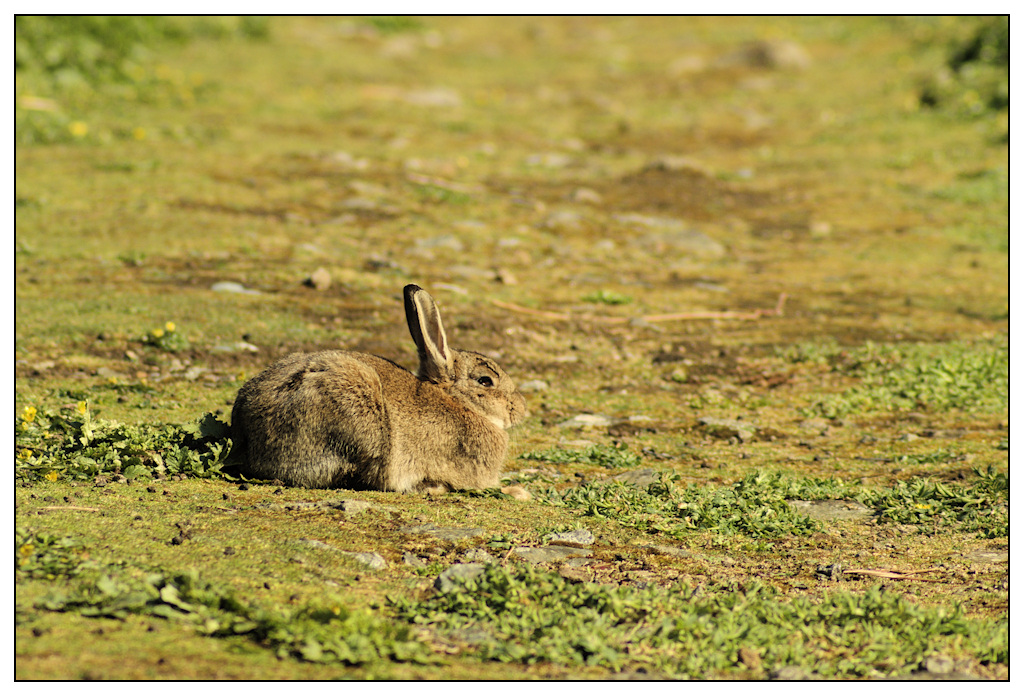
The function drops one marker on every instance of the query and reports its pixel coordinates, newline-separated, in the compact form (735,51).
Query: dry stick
(895,574)
(684,316)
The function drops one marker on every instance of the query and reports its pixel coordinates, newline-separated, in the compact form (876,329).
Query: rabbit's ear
(427,331)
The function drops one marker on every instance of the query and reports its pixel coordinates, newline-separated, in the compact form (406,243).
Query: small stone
(444,241)
(575,537)
(827,510)
(352,507)
(478,556)
(517,492)
(444,533)
(938,664)
(790,673)
(229,286)
(194,373)
(320,279)
(547,554)
(586,420)
(585,195)
(236,347)
(563,221)
(724,429)
(371,560)
(457,575)
(749,657)
(533,385)
(412,560)
(638,477)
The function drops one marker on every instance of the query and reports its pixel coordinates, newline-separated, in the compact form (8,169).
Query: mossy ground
(358,146)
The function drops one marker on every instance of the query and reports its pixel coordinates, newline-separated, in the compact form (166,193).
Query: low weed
(929,377)
(605,456)
(72,445)
(527,615)
(323,631)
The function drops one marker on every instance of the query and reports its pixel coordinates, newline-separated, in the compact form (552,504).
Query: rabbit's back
(319,420)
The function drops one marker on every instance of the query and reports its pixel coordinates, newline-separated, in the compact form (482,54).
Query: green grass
(525,615)
(158,156)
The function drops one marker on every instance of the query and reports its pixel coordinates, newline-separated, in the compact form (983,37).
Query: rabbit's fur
(343,419)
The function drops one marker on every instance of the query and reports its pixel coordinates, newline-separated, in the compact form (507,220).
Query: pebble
(534,385)
(581,537)
(369,559)
(478,556)
(547,554)
(412,560)
(638,477)
(320,279)
(724,428)
(351,507)
(439,97)
(563,221)
(444,241)
(832,509)
(229,286)
(457,574)
(586,420)
(444,533)
(236,347)
(671,234)
(586,195)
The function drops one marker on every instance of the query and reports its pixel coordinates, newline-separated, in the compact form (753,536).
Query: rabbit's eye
(486,381)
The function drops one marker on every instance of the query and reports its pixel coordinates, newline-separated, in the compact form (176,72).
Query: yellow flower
(29,414)
(169,326)
(26,550)
(139,133)
(78,129)
(24,454)
(82,407)
(158,333)
(52,476)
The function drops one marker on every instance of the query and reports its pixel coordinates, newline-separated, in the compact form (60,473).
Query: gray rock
(939,664)
(547,554)
(194,373)
(444,241)
(586,420)
(320,279)
(988,556)
(533,385)
(457,575)
(575,537)
(638,477)
(229,286)
(826,510)
(371,560)
(666,550)
(367,558)
(563,221)
(444,533)
(724,428)
(791,673)
(412,560)
(669,234)
(478,556)
(351,507)
(236,347)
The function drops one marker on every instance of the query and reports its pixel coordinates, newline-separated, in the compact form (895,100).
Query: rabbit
(337,418)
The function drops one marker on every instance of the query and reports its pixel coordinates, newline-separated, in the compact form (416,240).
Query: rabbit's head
(470,377)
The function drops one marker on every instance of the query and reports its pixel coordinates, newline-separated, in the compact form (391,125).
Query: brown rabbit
(343,419)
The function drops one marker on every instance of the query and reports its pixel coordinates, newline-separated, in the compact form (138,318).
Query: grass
(159,157)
